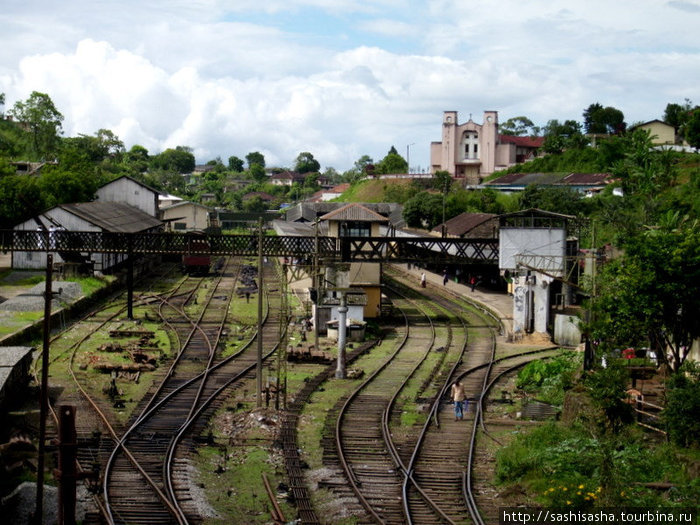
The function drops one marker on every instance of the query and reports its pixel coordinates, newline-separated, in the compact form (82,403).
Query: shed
(91,217)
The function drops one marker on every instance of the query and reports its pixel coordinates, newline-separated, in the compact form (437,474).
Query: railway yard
(170,430)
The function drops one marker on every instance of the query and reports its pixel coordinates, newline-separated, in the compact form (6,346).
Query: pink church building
(472,151)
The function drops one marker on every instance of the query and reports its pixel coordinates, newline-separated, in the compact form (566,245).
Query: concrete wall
(531,303)
(566,330)
(665,134)
(549,244)
(194,216)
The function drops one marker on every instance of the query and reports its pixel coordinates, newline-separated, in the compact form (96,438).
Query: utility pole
(316,284)
(589,353)
(258,368)
(408,161)
(44,396)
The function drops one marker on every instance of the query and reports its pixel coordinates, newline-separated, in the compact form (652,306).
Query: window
(470,139)
(355,229)
(179,226)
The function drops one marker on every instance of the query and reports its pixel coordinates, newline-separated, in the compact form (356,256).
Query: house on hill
(287,178)
(662,134)
(472,151)
(586,183)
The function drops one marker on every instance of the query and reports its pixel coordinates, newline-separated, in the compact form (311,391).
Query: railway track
(422,476)
(95,431)
(366,450)
(143,480)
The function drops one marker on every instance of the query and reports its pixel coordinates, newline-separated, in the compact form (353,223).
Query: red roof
(523,142)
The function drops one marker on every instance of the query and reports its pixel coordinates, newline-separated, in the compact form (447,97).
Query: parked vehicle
(196,260)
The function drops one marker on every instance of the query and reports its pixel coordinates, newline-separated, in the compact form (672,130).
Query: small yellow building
(662,134)
(186,216)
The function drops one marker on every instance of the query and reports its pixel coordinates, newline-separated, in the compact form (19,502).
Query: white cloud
(227,80)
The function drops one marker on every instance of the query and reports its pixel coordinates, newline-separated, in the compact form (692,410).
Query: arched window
(470,143)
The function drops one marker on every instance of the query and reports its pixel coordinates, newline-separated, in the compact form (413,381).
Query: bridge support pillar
(340,372)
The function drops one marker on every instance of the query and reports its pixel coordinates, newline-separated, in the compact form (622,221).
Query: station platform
(500,304)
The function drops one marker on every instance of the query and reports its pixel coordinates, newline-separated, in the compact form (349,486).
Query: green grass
(553,461)
(233,483)
(11,322)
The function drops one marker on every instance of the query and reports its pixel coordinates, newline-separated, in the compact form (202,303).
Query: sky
(340,78)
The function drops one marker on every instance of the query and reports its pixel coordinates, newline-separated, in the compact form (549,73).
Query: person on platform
(422,280)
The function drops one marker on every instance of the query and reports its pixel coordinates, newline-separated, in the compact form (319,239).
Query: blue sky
(340,78)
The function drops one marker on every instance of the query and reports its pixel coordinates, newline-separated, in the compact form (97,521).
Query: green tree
(644,299)
(255,157)
(555,199)
(235,164)
(257,172)
(599,119)
(692,129)
(104,145)
(20,198)
(683,405)
(442,181)
(306,163)
(363,166)
(43,121)
(677,115)
(643,169)
(560,136)
(424,210)
(179,160)
(392,163)
(518,126)
(137,158)
(254,204)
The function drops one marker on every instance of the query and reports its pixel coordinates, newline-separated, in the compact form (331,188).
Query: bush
(549,379)
(683,405)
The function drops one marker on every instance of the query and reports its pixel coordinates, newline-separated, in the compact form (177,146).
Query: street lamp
(408,156)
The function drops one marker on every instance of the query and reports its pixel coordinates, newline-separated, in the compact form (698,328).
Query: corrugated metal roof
(464,222)
(309,211)
(182,204)
(587,178)
(525,179)
(354,212)
(571,179)
(113,216)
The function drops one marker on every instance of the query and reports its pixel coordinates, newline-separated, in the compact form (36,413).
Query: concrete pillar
(342,332)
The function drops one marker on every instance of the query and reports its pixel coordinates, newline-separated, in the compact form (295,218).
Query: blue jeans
(458,409)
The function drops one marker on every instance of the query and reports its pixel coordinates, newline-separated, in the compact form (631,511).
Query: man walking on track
(422,279)
(458,395)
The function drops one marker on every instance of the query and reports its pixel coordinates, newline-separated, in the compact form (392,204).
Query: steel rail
(120,444)
(354,482)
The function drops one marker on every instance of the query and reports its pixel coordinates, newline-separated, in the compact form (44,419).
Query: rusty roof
(464,222)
